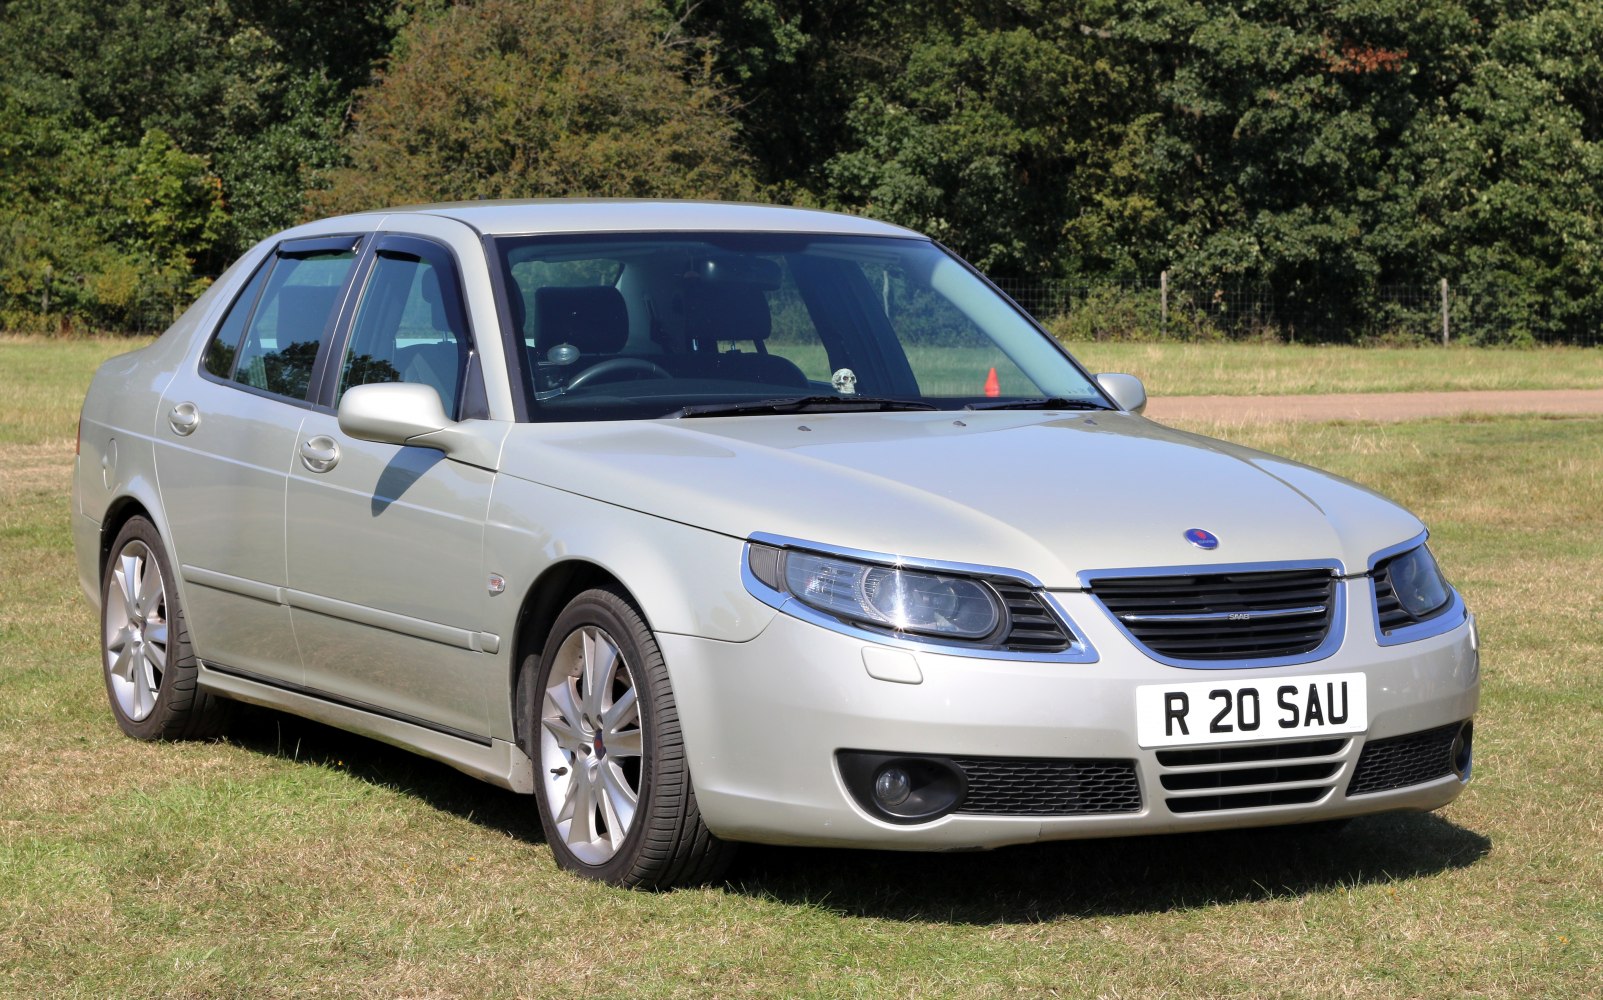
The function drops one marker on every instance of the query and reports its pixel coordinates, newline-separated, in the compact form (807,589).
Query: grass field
(1277,369)
(293,860)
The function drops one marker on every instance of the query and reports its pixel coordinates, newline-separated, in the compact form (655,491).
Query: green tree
(502,99)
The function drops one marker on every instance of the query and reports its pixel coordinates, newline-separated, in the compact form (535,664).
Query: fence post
(44,299)
(1163,302)
(1444,312)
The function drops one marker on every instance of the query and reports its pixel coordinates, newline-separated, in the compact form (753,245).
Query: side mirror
(392,412)
(1126,390)
(407,413)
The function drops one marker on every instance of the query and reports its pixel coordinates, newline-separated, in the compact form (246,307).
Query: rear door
(385,542)
(224,443)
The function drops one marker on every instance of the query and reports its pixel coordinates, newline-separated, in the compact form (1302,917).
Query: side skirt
(497,761)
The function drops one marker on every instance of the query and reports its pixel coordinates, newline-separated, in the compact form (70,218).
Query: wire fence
(1468,311)
(1464,311)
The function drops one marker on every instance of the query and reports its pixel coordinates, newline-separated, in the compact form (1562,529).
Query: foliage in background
(1318,152)
(508,99)
(144,144)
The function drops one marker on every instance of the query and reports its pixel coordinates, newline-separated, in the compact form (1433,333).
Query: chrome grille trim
(1226,616)
(1221,779)
(1273,614)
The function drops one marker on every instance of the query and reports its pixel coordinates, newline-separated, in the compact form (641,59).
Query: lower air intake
(1410,759)
(1021,786)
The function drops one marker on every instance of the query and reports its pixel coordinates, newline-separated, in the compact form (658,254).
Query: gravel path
(1382,406)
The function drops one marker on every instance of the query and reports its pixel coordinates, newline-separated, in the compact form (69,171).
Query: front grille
(1400,761)
(1034,629)
(1022,786)
(1306,771)
(1223,616)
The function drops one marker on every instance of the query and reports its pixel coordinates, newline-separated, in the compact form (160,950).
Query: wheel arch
(544,600)
(122,510)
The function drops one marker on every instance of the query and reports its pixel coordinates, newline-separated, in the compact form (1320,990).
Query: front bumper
(763,721)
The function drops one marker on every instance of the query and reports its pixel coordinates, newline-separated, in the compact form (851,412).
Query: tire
(612,783)
(145,657)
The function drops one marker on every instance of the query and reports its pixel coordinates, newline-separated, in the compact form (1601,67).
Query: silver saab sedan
(706,523)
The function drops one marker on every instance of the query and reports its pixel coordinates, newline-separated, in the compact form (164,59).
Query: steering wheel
(613,366)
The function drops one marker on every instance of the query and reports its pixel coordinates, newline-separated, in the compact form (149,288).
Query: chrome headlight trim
(1079,651)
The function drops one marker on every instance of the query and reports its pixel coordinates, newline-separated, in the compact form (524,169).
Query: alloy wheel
(591,745)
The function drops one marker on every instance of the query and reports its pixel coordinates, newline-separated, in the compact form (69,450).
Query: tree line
(1317,151)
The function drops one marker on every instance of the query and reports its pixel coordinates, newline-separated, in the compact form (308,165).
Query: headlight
(905,600)
(1418,583)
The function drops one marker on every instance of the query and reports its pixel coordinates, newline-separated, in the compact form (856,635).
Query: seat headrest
(431,295)
(728,312)
(593,318)
(303,312)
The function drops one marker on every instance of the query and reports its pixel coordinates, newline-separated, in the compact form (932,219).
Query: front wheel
(149,668)
(614,788)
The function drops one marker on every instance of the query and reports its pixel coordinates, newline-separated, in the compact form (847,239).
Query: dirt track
(1383,406)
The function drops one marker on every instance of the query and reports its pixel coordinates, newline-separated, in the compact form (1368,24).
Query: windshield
(636,326)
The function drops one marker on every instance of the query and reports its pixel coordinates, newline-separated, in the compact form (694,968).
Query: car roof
(604,215)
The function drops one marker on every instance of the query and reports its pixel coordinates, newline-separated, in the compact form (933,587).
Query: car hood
(1052,495)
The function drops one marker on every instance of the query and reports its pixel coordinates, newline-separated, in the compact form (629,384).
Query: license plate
(1235,711)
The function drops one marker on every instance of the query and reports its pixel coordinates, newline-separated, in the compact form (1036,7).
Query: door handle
(320,453)
(184,419)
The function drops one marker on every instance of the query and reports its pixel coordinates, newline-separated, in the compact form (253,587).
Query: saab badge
(1202,538)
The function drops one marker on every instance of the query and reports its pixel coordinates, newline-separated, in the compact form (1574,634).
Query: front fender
(686,580)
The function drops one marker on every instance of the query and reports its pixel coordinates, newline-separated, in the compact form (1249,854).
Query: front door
(385,542)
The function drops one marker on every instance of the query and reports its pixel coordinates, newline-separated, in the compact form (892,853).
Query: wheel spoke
(566,736)
(560,697)
(599,656)
(150,590)
(143,702)
(156,632)
(623,711)
(123,666)
(155,655)
(624,744)
(580,808)
(127,576)
(618,802)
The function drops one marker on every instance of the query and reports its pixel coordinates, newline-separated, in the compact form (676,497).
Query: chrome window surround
(1439,624)
(1079,651)
(1327,648)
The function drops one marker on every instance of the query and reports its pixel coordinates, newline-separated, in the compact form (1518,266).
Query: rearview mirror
(1126,390)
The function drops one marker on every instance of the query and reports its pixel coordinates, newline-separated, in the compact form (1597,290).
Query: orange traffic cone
(992,386)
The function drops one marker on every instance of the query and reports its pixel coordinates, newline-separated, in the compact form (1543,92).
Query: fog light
(903,788)
(892,787)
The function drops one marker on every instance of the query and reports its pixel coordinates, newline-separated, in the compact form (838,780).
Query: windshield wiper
(802,404)
(1050,403)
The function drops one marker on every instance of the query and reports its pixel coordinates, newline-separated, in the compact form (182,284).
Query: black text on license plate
(1239,711)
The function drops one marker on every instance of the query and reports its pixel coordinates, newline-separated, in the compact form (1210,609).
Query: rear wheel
(613,788)
(150,670)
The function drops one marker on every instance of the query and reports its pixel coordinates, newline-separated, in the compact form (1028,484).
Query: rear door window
(290,316)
